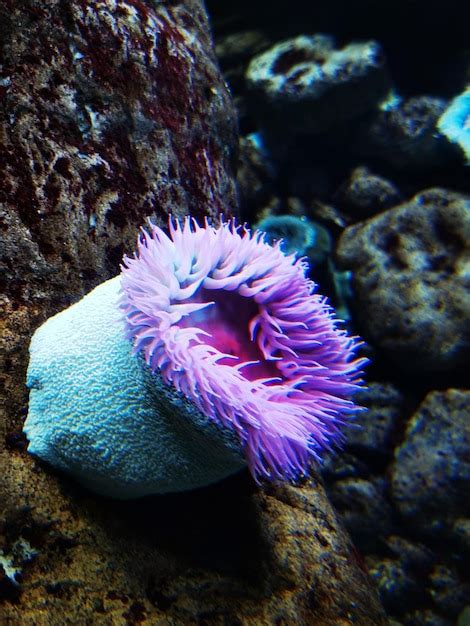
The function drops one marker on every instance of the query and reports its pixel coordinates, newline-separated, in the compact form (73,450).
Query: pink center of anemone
(235,325)
(226,320)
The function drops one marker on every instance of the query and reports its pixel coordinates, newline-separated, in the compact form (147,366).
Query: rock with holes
(448,590)
(411,269)
(366,193)
(364,510)
(368,443)
(396,584)
(108,115)
(431,472)
(404,134)
(372,439)
(307,85)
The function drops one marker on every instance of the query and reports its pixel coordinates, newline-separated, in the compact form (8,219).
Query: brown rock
(320,577)
(226,554)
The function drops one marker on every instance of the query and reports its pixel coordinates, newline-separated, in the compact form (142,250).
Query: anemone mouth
(226,321)
(235,325)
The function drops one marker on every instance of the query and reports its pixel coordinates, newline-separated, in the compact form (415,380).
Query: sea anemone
(235,325)
(295,234)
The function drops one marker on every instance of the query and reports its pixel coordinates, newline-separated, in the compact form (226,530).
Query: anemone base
(98,413)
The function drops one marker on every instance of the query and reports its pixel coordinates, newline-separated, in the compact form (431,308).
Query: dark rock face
(365,194)
(406,505)
(364,510)
(405,135)
(411,280)
(373,438)
(107,116)
(431,473)
(394,582)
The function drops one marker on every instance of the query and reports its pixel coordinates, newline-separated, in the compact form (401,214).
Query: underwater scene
(234,313)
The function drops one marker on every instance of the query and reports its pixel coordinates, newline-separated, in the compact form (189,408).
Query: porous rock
(448,592)
(413,555)
(460,535)
(405,135)
(341,466)
(396,584)
(254,175)
(364,194)
(426,617)
(307,85)
(364,510)
(431,472)
(371,434)
(410,274)
(109,114)
(226,554)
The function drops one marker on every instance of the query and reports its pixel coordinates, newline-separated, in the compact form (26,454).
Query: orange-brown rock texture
(111,112)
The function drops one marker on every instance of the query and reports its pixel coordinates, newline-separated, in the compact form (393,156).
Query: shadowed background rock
(108,115)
